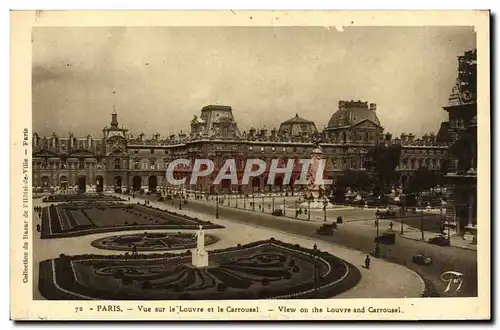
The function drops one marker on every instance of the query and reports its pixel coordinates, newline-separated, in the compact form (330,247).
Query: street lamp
(309,210)
(284,206)
(377,247)
(253,201)
(217,206)
(273,205)
(325,203)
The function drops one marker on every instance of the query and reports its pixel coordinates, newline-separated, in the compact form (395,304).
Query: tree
(422,180)
(382,160)
(356,180)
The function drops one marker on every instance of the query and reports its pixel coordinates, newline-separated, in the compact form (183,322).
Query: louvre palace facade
(119,160)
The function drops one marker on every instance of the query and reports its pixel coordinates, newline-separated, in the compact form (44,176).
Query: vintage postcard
(244,165)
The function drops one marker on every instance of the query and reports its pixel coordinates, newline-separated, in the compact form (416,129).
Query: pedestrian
(134,250)
(367,262)
(390,225)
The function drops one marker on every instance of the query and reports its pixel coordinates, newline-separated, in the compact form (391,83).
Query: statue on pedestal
(315,190)
(199,258)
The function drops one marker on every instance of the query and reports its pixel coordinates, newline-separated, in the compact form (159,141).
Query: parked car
(421,259)
(386,238)
(440,240)
(278,213)
(386,214)
(326,229)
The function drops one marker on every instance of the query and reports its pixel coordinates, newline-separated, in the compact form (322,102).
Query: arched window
(137,164)
(405,163)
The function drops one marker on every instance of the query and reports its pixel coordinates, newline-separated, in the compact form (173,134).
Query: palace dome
(351,113)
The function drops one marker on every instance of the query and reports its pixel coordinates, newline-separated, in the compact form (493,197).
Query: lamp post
(253,201)
(309,210)
(217,206)
(272,210)
(284,206)
(325,203)
(377,247)
(403,213)
(263,210)
(422,223)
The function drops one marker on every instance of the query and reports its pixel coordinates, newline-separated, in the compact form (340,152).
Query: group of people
(299,212)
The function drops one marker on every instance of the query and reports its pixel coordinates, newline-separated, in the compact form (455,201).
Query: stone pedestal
(200,259)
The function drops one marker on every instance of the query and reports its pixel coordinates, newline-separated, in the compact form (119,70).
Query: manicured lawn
(76,219)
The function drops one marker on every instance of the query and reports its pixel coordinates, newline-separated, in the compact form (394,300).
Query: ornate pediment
(367,123)
(116,138)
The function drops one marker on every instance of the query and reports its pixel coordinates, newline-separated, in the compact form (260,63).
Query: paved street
(360,236)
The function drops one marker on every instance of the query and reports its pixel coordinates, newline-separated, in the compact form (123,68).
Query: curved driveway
(360,237)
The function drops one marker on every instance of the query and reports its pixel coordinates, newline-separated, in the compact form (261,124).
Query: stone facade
(121,160)
(461,177)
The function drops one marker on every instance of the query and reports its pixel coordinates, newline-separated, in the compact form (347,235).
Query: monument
(200,256)
(319,199)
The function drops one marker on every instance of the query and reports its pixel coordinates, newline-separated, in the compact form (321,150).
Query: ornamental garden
(268,269)
(83,218)
(157,263)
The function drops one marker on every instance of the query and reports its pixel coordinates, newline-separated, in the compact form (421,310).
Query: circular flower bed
(158,241)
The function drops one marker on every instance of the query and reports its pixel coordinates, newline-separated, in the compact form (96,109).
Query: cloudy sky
(158,78)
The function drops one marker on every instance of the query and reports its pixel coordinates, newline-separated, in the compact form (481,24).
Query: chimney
(404,138)
(411,137)
(373,107)
(342,105)
(425,139)
(432,139)
(251,132)
(36,138)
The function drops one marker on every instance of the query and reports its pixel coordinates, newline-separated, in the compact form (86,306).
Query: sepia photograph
(255,163)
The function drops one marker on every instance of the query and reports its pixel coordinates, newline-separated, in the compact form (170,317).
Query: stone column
(75,173)
(51,166)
